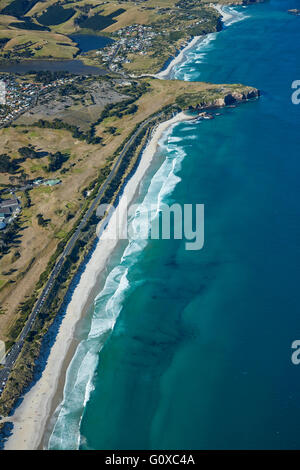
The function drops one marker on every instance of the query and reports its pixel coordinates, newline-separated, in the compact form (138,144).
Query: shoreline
(31,417)
(163,75)
(38,405)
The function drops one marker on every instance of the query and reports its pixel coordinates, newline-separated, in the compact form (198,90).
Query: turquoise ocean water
(199,356)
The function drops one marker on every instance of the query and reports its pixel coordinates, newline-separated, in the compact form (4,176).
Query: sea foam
(108,303)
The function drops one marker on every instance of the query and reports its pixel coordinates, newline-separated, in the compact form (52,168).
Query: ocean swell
(108,303)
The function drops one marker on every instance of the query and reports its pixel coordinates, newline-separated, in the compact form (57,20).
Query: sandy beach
(163,75)
(31,417)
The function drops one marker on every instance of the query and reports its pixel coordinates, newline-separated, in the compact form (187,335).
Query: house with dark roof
(9,206)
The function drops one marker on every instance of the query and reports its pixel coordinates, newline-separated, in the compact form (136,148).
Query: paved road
(15,350)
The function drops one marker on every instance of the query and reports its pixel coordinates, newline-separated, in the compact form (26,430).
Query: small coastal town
(9,210)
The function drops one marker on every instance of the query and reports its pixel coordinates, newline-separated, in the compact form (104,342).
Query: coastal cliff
(236,97)
(216,97)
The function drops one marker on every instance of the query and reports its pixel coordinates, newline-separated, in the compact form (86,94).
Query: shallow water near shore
(200,352)
(89,42)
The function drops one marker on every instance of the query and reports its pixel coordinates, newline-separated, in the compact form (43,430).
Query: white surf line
(164,73)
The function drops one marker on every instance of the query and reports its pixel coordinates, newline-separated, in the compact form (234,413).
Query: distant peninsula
(294,11)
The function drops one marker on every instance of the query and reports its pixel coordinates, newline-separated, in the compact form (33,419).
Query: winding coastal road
(17,347)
